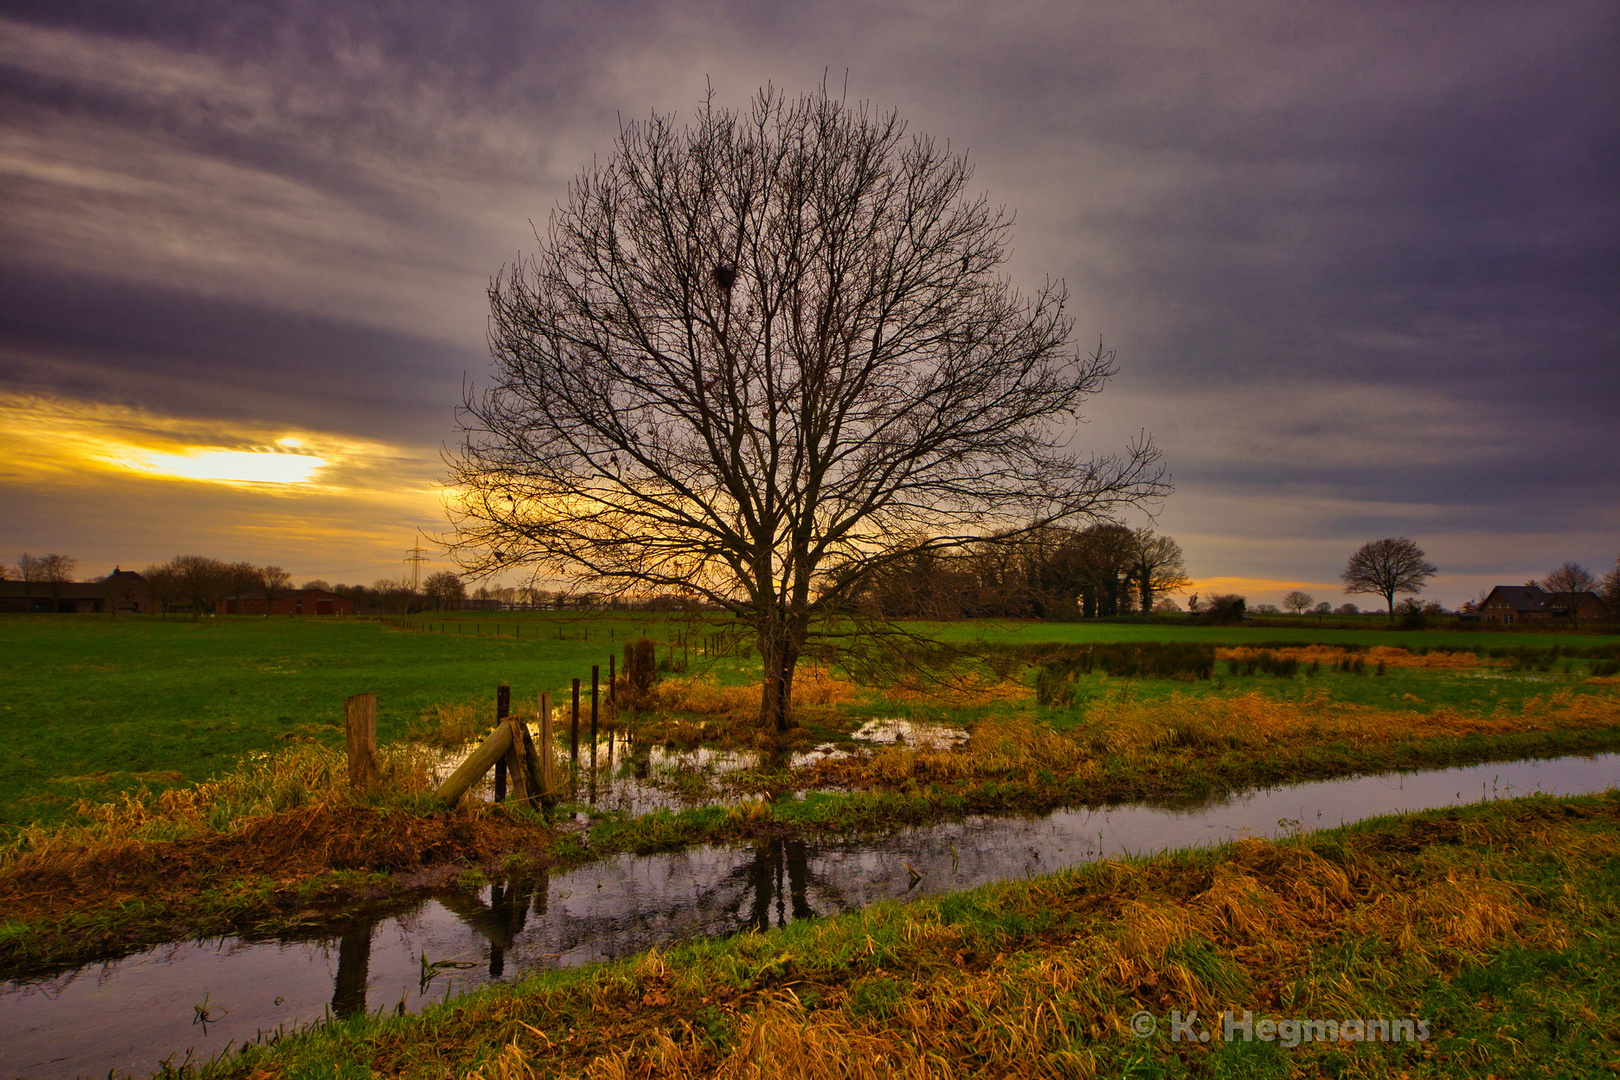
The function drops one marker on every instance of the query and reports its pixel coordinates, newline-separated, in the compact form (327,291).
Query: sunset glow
(232,466)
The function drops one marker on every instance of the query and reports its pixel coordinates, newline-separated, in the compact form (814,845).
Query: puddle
(639,778)
(134,1013)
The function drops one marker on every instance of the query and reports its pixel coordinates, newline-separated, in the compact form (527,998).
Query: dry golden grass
(1388,655)
(452,725)
(814,688)
(908,991)
(264,784)
(1115,726)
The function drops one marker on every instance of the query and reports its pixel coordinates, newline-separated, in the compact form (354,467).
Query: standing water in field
(197,999)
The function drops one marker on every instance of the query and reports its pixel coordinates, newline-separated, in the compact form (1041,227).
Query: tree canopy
(759,358)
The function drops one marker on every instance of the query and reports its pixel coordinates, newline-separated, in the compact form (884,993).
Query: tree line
(1103,570)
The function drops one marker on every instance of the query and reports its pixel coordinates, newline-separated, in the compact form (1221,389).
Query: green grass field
(92,706)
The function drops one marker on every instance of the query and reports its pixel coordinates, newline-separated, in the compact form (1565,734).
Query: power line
(416,556)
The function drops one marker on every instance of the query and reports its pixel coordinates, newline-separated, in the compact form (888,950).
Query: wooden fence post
(360,727)
(548,762)
(594,677)
(517,762)
(503,709)
(573,728)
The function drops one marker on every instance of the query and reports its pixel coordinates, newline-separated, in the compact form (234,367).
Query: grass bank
(1494,928)
(279,841)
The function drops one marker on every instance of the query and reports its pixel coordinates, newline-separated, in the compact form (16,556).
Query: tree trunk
(780,642)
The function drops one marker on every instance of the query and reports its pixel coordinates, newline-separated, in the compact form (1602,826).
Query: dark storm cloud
(1361,260)
(185,354)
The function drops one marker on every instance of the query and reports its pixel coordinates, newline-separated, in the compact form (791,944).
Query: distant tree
(240,578)
(163,587)
(316,583)
(1166,604)
(1347,609)
(200,580)
(276,581)
(57,571)
(1297,602)
(1192,602)
(1266,609)
(1570,583)
(1324,608)
(1611,590)
(444,589)
(1387,567)
(1225,608)
(1158,566)
(29,569)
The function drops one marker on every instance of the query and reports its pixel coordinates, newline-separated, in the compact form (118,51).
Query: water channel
(201,998)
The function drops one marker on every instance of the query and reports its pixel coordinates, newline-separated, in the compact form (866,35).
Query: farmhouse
(121,590)
(1529,603)
(301,602)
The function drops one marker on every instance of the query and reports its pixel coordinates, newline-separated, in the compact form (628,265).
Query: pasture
(94,707)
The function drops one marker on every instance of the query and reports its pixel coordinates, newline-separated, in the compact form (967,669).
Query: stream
(194,1000)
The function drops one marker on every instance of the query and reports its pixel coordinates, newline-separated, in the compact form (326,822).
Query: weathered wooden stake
(503,709)
(573,728)
(360,725)
(548,762)
(517,763)
(594,677)
(477,764)
(613,676)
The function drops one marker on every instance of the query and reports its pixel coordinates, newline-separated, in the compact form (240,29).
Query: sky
(1360,262)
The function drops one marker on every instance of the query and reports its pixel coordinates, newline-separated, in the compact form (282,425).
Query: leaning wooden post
(477,764)
(360,726)
(503,709)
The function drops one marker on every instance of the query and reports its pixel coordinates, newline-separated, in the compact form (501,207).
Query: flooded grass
(1494,927)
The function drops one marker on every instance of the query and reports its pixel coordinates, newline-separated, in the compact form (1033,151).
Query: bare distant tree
(1387,567)
(199,579)
(759,358)
(1297,602)
(275,580)
(1158,567)
(1570,583)
(1611,590)
(1324,608)
(444,589)
(242,577)
(28,569)
(56,571)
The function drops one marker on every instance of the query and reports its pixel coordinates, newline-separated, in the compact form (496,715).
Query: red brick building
(1529,603)
(302,602)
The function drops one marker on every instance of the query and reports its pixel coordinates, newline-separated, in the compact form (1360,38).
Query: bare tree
(1611,591)
(242,577)
(444,589)
(1297,602)
(275,581)
(57,571)
(1387,567)
(760,357)
(1571,583)
(29,570)
(1158,566)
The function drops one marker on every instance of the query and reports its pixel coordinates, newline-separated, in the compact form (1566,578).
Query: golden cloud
(50,438)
